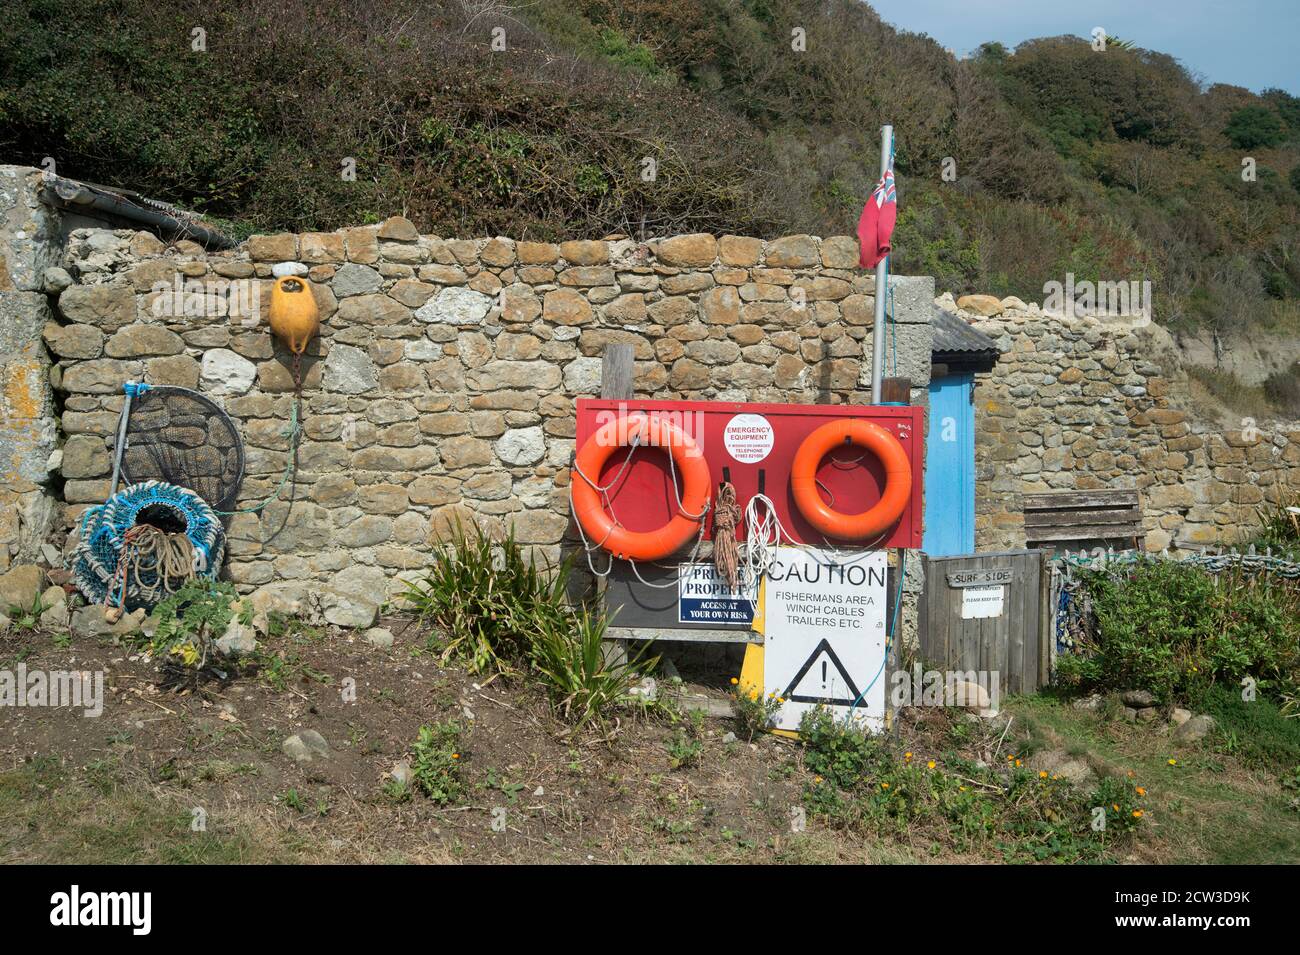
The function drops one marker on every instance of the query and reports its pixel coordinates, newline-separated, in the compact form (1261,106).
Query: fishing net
(144,543)
(181,437)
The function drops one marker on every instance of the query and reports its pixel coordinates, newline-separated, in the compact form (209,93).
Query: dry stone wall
(442,387)
(1081,403)
(28,429)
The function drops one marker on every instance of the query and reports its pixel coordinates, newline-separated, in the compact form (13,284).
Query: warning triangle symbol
(822,679)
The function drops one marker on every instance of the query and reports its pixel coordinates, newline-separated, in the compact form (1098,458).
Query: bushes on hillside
(1176,630)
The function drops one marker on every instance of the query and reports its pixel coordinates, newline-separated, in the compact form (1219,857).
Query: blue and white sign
(704,597)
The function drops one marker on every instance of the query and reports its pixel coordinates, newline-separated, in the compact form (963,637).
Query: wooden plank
(1029,610)
(682,635)
(1046,620)
(1107,497)
(616,372)
(896,390)
(1117,515)
(1014,631)
(1083,532)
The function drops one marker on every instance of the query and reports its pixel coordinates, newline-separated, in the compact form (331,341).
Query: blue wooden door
(950,467)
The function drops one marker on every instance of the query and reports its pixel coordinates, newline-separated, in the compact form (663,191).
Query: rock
(1137,698)
(1057,762)
(792,252)
(1195,729)
(349,370)
(142,340)
(647,689)
(582,376)
(353,597)
(107,306)
(1090,703)
(728,738)
(84,456)
(380,637)
(1147,714)
(225,373)
(283,598)
(522,446)
(306,746)
(238,640)
(282,269)
(455,306)
(1013,304)
(970,696)
(55,614)
(91,621)
(1180,716)
(56,280)
(398,229)
(985,305)
(401,772)
(1130,714)
(688,251)
(352,279)
(20,587)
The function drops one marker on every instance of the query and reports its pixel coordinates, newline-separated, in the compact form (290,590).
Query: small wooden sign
(981,578)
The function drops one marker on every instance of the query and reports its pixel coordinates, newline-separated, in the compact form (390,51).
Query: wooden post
(616,371)
(616,366)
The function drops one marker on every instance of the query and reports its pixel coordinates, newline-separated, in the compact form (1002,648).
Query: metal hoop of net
(182,437)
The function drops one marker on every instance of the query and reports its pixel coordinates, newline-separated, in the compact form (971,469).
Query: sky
(1250,43)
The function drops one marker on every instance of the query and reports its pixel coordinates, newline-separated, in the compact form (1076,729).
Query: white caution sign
(824,634)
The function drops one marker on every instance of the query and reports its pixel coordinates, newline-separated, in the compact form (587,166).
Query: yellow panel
(751,670)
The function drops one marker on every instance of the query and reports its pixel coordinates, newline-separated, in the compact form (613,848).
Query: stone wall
(442,387)
(1085,403)
(28,429)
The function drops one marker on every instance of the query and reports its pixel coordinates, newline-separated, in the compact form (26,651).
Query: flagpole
(878,328)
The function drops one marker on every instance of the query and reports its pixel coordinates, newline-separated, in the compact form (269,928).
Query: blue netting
(104,526)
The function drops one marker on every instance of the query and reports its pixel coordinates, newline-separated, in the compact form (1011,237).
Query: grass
(50,815)
(1205,807)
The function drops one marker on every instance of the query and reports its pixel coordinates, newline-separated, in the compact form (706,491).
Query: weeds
(1178,630)
(753,712)
(435,767)
(864,783)
(500,612)
(187,625)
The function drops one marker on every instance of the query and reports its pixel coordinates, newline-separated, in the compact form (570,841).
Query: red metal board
(643,497)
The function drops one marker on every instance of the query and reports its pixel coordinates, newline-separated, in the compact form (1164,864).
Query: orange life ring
(589,509)
(898,479)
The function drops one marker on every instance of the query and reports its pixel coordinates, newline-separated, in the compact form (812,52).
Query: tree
(1253,126)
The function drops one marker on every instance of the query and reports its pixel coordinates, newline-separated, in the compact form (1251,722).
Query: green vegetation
(1177,630)
(753,712)
(1116,165)
(865,783)
(497,610)
(435,769)
(187,624)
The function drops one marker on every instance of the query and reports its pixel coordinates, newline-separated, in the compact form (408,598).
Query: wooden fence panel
(1013,642)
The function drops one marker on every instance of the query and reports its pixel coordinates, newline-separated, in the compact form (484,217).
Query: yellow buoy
(294,317)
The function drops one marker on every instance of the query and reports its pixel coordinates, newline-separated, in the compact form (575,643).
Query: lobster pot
(110,566)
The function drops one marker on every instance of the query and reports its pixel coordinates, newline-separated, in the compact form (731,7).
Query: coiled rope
(726,552)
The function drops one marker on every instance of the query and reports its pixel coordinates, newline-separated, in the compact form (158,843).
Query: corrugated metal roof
(952,336)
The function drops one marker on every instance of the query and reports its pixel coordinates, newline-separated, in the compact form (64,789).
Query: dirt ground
(586,797)
(128,785)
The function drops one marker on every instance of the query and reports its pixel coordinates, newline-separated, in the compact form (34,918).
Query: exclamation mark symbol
(823,674)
